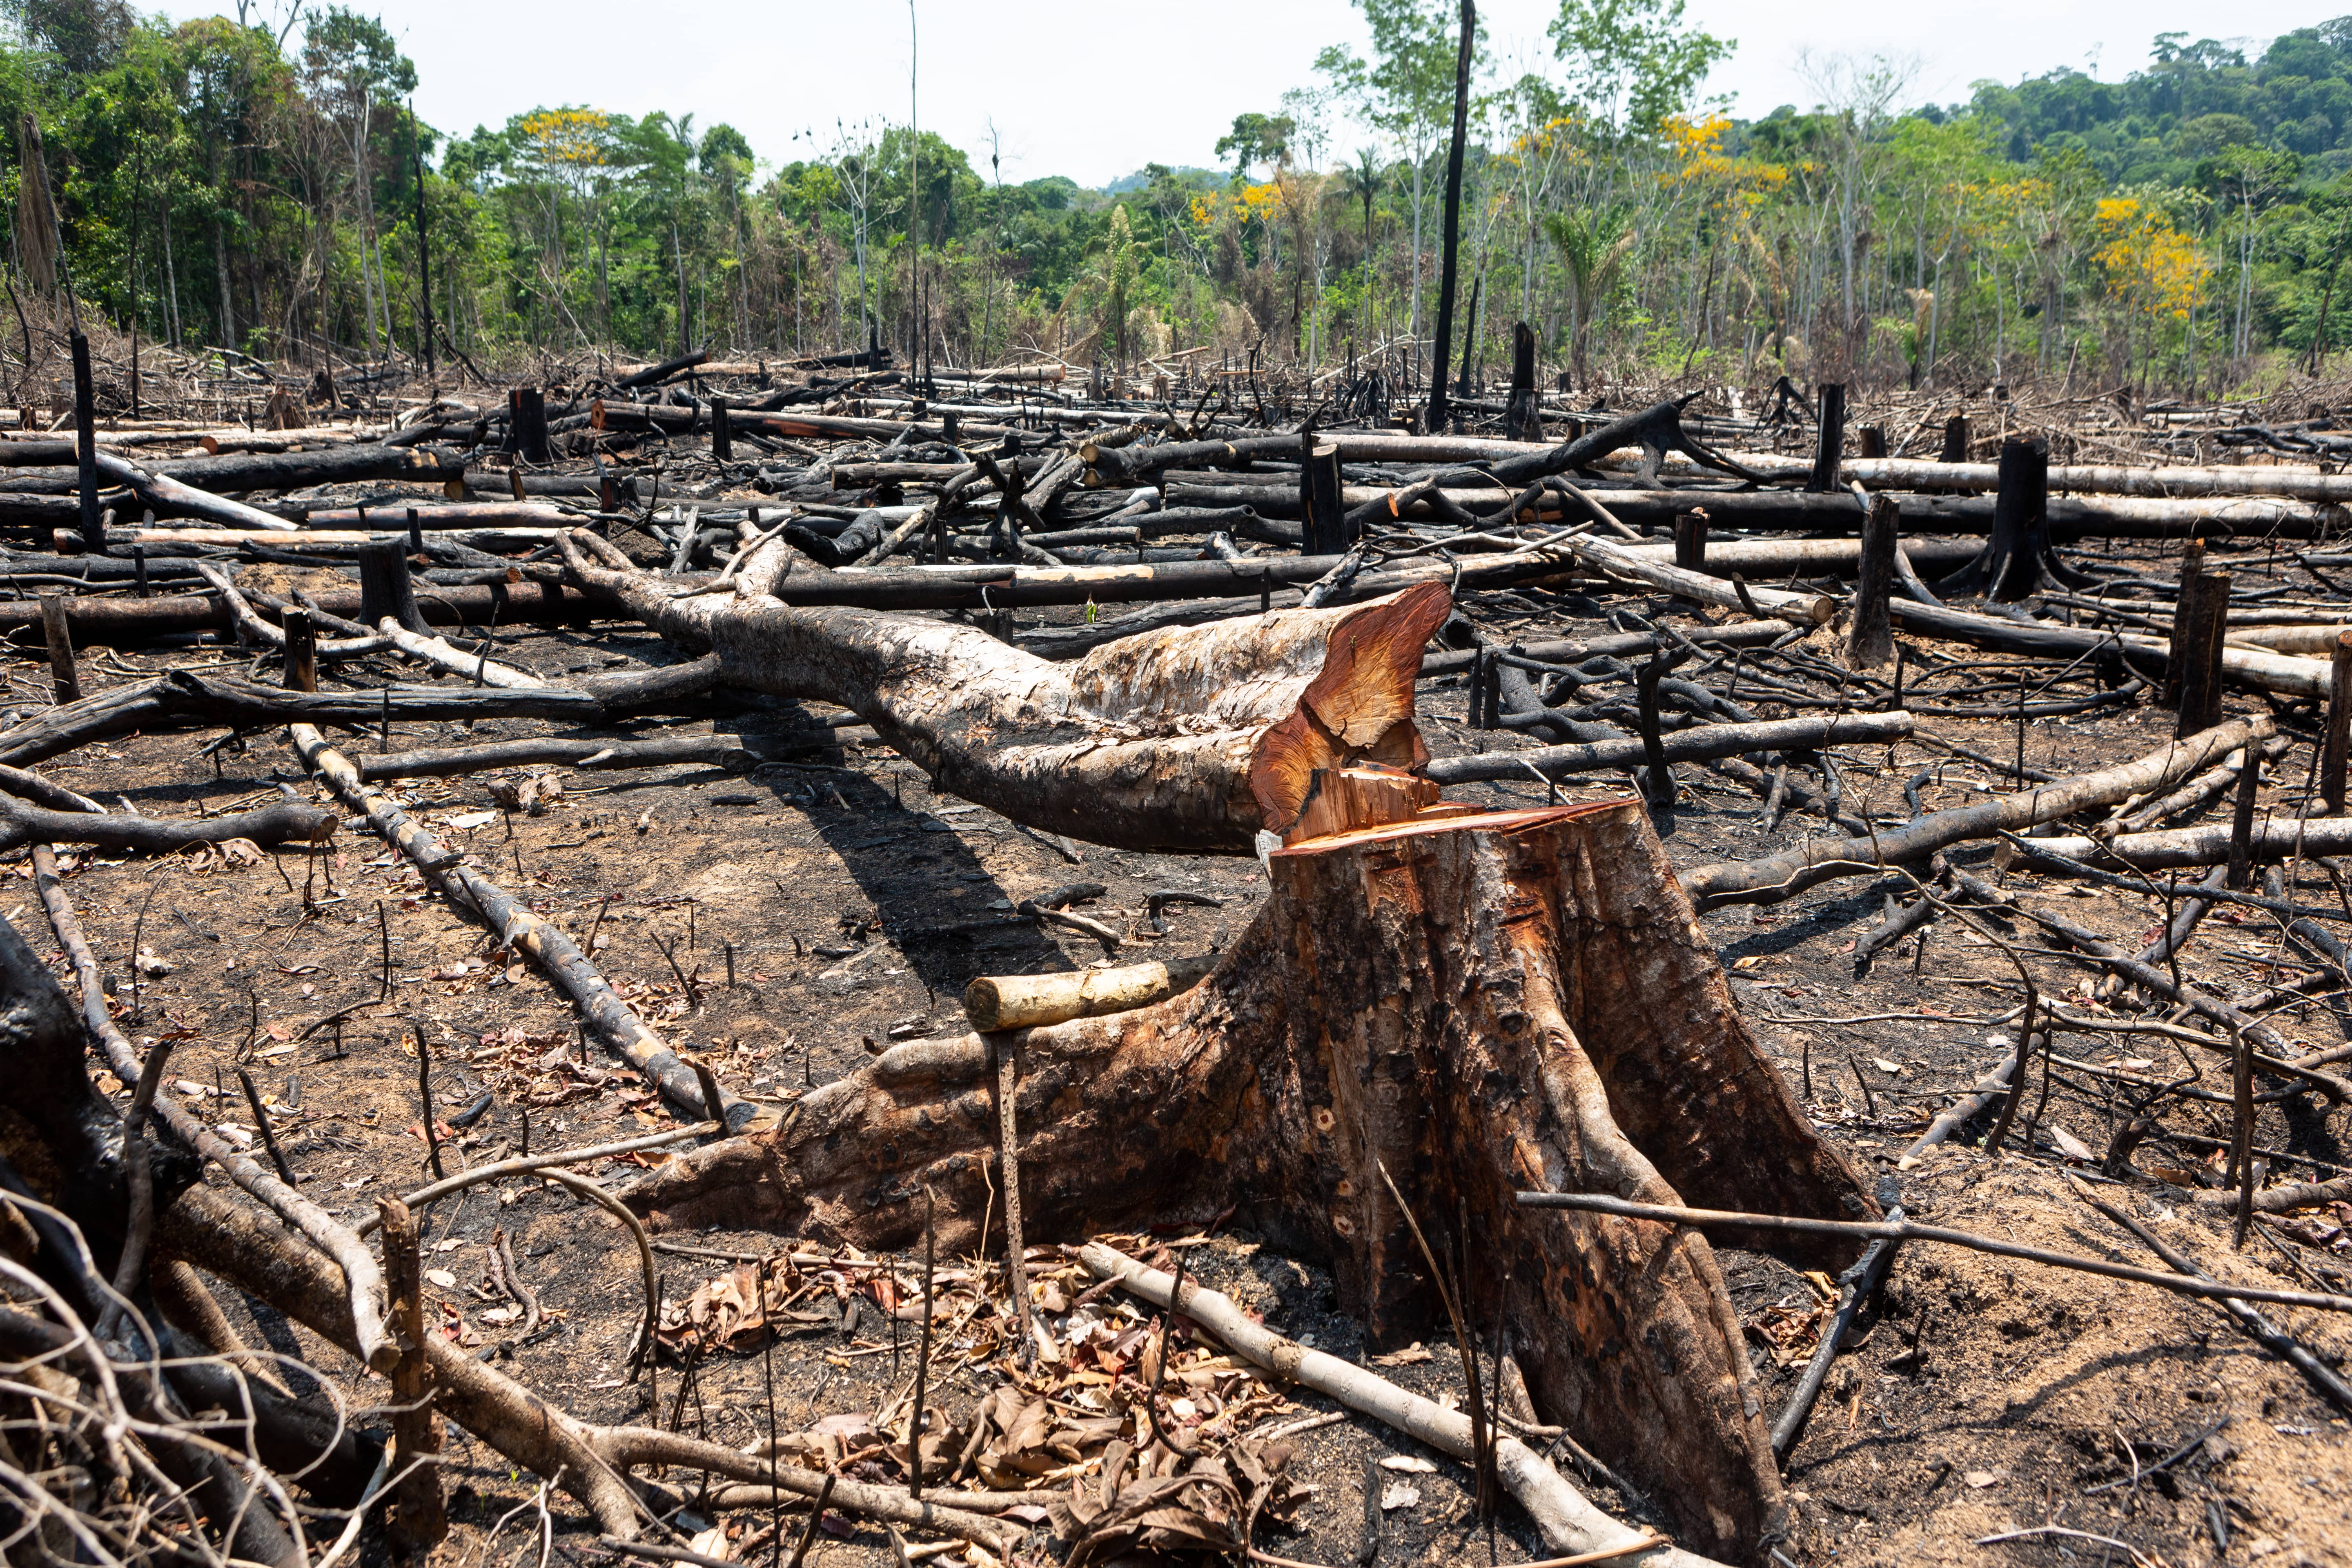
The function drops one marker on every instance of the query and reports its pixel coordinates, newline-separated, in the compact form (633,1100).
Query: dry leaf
(1412,1464)
(1397,1495)
(441,1276)
(1413,1355)
(2073,1148)
(1982,1477)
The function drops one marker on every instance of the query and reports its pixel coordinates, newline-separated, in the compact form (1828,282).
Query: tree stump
(1482,1005)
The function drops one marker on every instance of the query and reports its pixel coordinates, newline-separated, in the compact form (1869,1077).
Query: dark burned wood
(180,699)
(283,823)
(120,620)
(1481,1004)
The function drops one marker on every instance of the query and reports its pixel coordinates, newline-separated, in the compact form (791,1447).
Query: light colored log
(2276,839)
(1779,877)
(438,651)
(1025,1001)
(2160,483)
(1704,743)
(1567,1520)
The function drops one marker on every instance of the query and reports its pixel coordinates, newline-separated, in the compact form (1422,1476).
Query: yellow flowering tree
(2155,273)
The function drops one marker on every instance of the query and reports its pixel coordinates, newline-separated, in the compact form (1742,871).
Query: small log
(1956,439)
(301,651)
(285,822)
(1829,446)
(1870,637)
(2338,741)
(722,443)
(385,591)
(1870,442)
(1690,541)
(93,526)
(1025,1001)
(2241,828)
(1700,744)
(1523,415)
(520,930)
(1318,495)
(65,679)
(2175,650)
(421,1519)
(2202,621)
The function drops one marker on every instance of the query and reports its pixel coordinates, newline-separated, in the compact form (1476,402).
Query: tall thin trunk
(171,276)
(1452,236)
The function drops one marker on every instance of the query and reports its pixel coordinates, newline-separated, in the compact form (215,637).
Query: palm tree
(1364,180)
(1592,244)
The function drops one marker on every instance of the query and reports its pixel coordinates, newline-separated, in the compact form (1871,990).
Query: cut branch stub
(1482,1003)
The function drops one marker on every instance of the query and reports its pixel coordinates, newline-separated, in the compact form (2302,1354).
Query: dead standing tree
(1478,1003)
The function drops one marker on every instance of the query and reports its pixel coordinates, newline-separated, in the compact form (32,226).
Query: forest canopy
(264,188)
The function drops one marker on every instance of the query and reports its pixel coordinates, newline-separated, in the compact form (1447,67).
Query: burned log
(1473,1004)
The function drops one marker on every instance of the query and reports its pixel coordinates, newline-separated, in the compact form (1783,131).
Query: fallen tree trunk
(522,932)
(1016,587)
(2274,840)
(94,619)
(1704,743)
(181,699)
(286,822)
(2248,666)
(1463,1003)
(1779,877)
(1199,738)
(2158,483)
(2070,517)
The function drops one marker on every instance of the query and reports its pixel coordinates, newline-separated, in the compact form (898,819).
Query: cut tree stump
(1481,1004)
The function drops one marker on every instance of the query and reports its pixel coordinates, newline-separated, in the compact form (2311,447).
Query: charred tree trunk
(2018,559)
(1480,1005)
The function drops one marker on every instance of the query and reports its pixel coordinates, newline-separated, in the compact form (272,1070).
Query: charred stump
(1476,1003)
(2018,559)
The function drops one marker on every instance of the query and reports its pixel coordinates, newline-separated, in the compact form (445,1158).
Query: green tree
(1406,92)
(1593,243)
(351,67)
(1633,62)
(1256,138)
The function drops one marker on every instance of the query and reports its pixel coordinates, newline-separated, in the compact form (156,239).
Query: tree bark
(1199,738)
(1474,1004)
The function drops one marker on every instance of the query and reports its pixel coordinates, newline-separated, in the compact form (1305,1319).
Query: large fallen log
(2272,839)
(1198,738)
(1471,1006)
(1703,743)
(114,620)
(2161,483)
(1779,877)
(183,697)
(2070,517)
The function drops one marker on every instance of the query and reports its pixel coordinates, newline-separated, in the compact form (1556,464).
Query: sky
(1094,91)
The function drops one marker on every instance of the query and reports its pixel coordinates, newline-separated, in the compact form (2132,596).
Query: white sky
(1095,91)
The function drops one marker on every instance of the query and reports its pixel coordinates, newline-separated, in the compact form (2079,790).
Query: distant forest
(262,186)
